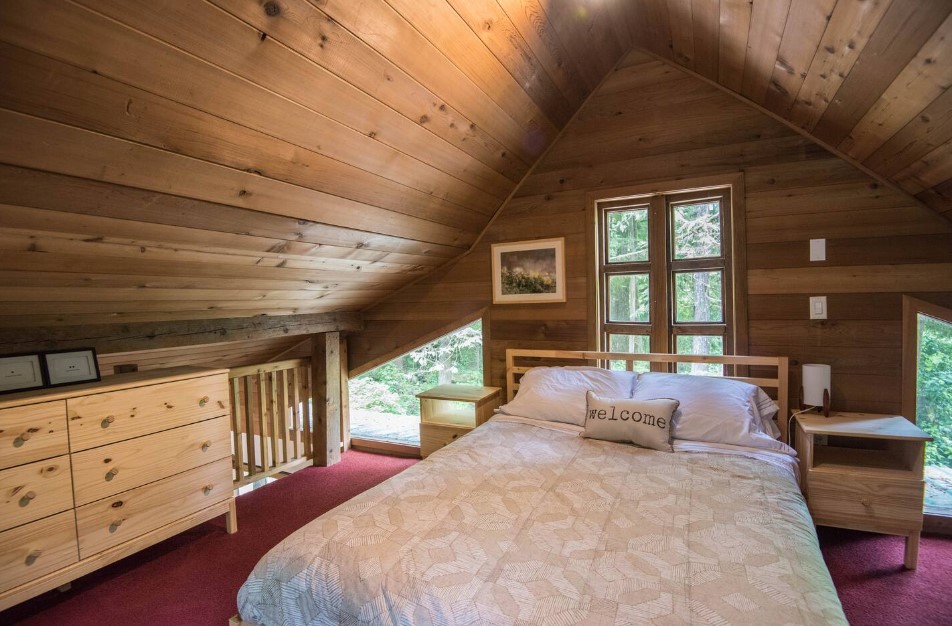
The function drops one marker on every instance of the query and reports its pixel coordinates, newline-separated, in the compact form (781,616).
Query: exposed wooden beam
(326,397)
(109,338)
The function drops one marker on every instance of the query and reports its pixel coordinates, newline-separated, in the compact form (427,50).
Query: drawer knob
(207,489)
(27,498)
(109,420)
(112,474)
(206,445)
(115,525)
(33,556)
(203,401)
(22,439)
(866,502)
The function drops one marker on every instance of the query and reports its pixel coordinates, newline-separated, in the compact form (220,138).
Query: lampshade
(816,380)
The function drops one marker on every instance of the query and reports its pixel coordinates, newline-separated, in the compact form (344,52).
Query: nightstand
(448,412)
(864,471)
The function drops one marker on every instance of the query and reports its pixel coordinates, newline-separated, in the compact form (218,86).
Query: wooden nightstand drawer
(32,550)
(33,432)
(435,436)
(876,504)
(107,470)
(106,418)
(112,521)
(35,490)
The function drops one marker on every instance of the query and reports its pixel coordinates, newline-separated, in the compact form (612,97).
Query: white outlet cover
(818,249)
(817,307)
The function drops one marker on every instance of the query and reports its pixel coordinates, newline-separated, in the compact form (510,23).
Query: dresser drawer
(33,550)
(32,432)
(112,521)
(101,472)
(106,418)
(29,492)
(863,502)
(435,436)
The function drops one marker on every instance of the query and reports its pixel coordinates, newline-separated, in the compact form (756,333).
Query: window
(666,274)
(927,395)
(383,402)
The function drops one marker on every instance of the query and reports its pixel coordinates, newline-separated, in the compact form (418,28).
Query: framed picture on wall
(20,372)
(529,271)
(68,367)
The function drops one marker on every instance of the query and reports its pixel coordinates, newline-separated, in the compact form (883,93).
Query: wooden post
(344,397)
(325,397)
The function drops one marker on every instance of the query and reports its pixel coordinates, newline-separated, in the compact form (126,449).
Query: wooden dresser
(92,473)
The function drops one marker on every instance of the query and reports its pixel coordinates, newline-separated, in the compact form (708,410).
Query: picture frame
(527,272)
(71,367)
(21,372)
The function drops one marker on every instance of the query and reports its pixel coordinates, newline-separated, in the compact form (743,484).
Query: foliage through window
(383,401)
(665,274)
(934,408)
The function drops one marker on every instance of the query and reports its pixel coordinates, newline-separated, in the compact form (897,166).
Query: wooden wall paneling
(444,29)
(850,27)
(680,16)
(706,15)
(219,39)
(732,54)
(806,22)
(929,172)
(924,79)
(31,188)
(912,220)
(767,22)
(94,228)
(884,278)
(309,31)
(12,239)
(38,85)
(222,355)
(900,34)
(580,25)
(490,23)
(95,43)
(533,25)
(653,26)
(876,250)
(89,155)
(392,36)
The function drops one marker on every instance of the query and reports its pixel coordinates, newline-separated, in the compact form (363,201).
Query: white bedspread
(517,524)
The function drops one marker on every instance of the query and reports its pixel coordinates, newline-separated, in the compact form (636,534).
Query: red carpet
(193,579)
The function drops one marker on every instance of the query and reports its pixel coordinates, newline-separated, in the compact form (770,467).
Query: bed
(523,521)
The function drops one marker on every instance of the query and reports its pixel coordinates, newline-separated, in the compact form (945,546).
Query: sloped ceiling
(186,159)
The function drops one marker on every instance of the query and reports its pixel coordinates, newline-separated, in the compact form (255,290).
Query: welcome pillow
(646,423)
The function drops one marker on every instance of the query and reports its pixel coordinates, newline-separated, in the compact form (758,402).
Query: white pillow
(713,409)
(557,394)
(646,423)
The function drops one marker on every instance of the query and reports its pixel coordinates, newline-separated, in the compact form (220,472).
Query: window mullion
(658,255)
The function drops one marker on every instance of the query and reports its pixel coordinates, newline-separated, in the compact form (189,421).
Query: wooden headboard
(516,366)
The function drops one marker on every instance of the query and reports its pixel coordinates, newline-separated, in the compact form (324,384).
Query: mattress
(521,524)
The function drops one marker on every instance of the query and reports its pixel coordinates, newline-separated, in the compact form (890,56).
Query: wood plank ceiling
(194,159)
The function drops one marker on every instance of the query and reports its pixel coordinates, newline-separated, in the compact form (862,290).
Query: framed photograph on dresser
(70,367)
(20,372)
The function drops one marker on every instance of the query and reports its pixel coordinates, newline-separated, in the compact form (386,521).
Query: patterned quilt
(516,524)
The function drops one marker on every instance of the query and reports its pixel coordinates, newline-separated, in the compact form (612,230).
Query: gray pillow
(645,423)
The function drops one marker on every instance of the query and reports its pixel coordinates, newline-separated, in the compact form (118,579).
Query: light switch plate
(818,249)
(817,307)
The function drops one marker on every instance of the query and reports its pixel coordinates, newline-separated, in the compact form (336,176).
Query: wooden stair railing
(270,419)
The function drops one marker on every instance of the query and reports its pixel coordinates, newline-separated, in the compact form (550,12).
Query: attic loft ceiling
(188,160)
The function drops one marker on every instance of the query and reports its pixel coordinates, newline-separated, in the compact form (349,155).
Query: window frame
(660,198)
